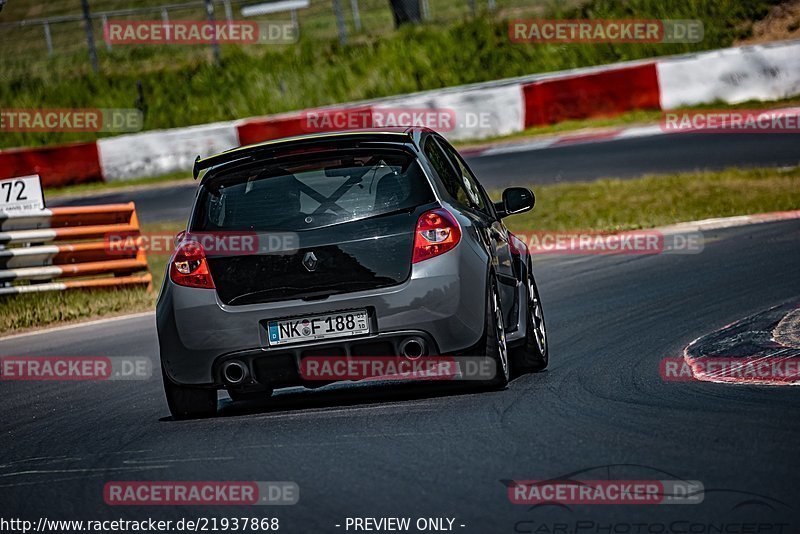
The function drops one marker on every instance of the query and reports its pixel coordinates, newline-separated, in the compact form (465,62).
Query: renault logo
(310,261)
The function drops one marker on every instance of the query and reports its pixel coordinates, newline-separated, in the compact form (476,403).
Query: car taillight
(189,267)
(437,232)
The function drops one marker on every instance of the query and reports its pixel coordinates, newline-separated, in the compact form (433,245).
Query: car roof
(399,134)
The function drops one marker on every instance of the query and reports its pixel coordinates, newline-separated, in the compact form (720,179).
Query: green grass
(39,310)
(25,47)
(614,204)
(99,187)
(603,205)
(182,89)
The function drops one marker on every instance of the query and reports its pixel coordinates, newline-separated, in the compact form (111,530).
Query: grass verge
(101,187)
(603,205)
(614,204)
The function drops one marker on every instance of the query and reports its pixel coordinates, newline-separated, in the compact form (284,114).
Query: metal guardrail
(34,249)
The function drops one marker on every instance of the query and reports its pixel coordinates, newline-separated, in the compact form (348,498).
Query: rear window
(312,190)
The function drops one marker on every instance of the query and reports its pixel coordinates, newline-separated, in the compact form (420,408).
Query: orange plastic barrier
(30,260)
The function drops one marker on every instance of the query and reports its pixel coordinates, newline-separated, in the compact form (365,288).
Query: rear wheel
(533,355)
(186,402)
(496,347)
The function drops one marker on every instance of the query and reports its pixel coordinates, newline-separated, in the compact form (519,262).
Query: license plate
(313,328)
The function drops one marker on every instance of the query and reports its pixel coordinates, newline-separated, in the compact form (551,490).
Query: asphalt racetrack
(624,158)
(600,411)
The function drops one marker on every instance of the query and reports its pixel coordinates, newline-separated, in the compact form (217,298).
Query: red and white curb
(760,349)
(787,332)
(743,371)
(556,141)
(599,135)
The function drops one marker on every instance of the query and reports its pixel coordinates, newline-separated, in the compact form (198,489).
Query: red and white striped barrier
(478,111)
(160,152)
(57,165)
(732,75)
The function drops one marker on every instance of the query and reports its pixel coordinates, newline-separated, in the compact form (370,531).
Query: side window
(473,189)
(440,163)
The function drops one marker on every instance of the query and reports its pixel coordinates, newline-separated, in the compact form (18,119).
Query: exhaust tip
(413,348)
(234,372)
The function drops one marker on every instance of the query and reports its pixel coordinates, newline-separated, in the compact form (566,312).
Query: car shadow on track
(342,395)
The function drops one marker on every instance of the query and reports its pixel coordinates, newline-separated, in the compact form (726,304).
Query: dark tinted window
(311,191)
(467,179)
(447,173)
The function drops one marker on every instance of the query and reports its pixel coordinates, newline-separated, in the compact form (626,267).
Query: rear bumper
(443,301)
(280,367)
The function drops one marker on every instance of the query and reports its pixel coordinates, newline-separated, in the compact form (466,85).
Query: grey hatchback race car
(387,245)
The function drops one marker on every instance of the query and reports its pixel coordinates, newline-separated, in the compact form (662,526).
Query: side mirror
(515,200)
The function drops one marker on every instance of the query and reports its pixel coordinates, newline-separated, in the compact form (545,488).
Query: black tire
(533,355)
(187,402)
(495,337)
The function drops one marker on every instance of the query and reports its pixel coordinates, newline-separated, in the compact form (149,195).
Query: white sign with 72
(21,194)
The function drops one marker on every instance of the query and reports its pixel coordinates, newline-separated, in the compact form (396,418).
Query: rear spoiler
(201,164)
(251,152)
